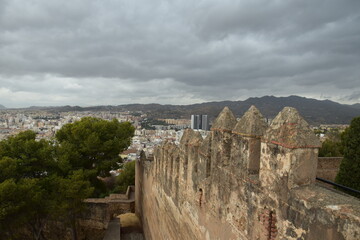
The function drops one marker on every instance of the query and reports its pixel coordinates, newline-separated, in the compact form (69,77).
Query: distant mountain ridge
(314,111)
(2,107)
(356,105)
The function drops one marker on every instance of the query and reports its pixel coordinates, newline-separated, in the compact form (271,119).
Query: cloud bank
(92,52)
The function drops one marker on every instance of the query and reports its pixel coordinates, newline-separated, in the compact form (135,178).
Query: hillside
(2,107)
(314,111)
(356,105)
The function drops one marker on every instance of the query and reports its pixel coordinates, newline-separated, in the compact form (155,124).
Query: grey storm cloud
(92,52)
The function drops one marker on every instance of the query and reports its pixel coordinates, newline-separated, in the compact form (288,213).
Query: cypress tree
(349,173)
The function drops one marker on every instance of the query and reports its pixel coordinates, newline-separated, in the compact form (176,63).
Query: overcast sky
(111,52)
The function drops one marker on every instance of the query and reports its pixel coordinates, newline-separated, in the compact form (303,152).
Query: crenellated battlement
(245,180)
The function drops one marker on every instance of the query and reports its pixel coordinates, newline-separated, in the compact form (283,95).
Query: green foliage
(126,177)
(349,173)
(94,143)
(25,205)
(34,157)
(71,193)
(330,148)
(25,165)
(8,168)
(43,180)
(18,204)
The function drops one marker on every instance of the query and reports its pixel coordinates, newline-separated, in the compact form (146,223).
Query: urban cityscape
(46,124)
(147,136)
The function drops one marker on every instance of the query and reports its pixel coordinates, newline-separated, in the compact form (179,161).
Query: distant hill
(356,105)
(314,111)
(2,107)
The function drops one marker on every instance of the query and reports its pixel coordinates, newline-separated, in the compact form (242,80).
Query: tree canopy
(23,157)
(331,148)
(349,173)
(27,192)
(94,143)
(42,180)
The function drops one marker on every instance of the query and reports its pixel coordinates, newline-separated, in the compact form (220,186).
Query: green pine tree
(93,145)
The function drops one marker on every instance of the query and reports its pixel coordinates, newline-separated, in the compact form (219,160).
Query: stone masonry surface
(246,180)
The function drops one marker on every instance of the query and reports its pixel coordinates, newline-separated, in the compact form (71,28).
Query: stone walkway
(113,231)
(130,227)
(125,227)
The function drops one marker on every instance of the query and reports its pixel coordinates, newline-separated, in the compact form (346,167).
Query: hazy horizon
(84,106)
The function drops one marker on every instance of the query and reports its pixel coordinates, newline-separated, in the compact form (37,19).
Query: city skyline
(89,53)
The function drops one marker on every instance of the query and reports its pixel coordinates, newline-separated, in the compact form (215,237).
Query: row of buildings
(46,124)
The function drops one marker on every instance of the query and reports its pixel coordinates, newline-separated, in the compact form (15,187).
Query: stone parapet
(245,180)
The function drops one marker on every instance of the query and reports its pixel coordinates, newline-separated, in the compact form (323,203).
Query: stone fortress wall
(328,167)
(246,180)
(94,221)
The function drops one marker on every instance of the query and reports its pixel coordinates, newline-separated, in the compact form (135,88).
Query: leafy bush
(126,178)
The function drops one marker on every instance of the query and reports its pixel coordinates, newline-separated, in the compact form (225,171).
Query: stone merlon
(186,136)
(252,124)
(195,139)
(290,130)
(226,121)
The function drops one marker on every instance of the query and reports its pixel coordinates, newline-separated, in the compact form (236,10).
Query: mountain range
(314,111)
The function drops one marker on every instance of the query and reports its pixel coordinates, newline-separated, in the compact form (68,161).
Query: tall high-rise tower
(200,122)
